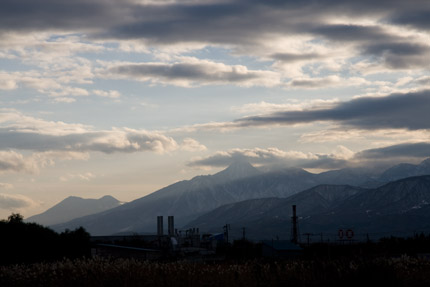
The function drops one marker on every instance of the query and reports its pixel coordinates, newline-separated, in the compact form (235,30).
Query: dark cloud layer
(161,21)
(417,19)
(406,150)
(409,111)
(393,51)
(289,57)
(239,23)
(201,72)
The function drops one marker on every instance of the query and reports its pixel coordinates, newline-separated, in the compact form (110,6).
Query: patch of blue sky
(15,65)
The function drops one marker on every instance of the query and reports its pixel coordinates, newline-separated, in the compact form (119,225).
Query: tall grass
(402,271)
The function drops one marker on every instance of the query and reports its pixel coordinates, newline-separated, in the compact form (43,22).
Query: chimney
(294,227)
(171,225)
(159,225)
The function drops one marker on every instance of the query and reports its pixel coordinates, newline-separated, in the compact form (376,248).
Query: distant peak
(237,170)
(241,164)
(72,198)
(108,198)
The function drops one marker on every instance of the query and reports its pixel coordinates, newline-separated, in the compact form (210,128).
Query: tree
(15,218)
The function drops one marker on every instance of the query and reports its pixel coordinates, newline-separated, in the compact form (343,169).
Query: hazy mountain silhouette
(399,207)
(188,199)
(73,207)
(405,170)
(267,217)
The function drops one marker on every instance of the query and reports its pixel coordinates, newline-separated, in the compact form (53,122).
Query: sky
(123,97)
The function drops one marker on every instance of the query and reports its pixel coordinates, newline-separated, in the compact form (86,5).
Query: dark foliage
(30,242)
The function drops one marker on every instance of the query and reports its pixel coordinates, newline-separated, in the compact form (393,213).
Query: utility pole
(308,235)
(226,228)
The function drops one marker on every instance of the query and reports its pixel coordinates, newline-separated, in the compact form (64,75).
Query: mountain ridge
(399,206)
(73,207)
(189,199)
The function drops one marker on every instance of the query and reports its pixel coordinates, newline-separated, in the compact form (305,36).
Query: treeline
(22,242)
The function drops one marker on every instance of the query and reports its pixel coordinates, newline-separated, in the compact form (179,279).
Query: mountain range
(400,207)
(190,199)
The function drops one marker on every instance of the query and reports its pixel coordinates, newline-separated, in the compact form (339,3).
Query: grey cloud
(419,19)
(312,83)
(11,161)
(225,22)
(290,57)
(197,73)
(401,55)
(241,24)
(423,81)
(11,201)
(405,150)
(104,141)
(84,15)
(394,51)
(409,110)
(354,33)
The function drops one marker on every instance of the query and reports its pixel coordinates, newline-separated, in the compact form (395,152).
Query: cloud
(4,185)
(402,111)
(195,72)
(7,82)
(189,144)
(418,19)
(341,157)
(14,201)
(57,140)
(407,110)
(274,156)
(329,81)
(404,150)
(52,82)
(106,141)
(292,105)
(295,57)
(78,176)
(27,133)
(393,51)
(424,81)
(11,161)
(376,137)
(326,36)
(107,94)
(236,23)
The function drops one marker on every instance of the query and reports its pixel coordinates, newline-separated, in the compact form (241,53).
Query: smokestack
(294,232)
(171,225)
(159,225)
